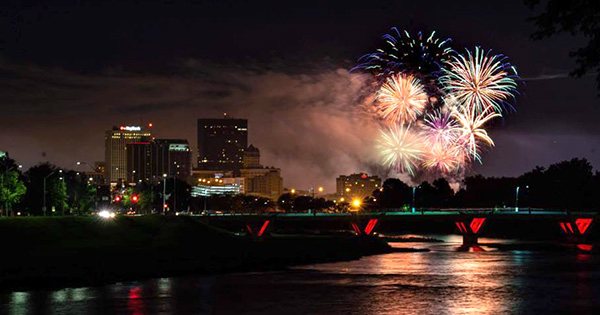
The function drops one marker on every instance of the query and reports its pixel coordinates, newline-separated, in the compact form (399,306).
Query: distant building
(172,157)
(148,161)
(218,186)
(139,161)
(221,143)
(357,185)
(96,177)
(116,141)
(197,175)
(263,181)
(251,157)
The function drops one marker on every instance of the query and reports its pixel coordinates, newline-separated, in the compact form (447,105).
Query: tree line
(568,185)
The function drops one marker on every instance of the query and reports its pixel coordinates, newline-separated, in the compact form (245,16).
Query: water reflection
(442,281)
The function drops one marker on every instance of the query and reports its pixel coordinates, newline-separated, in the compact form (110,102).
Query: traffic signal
(135,198)
(117,198)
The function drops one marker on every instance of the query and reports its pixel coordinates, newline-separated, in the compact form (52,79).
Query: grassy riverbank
(89,250)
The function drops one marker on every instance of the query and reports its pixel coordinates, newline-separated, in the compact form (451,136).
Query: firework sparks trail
(472,128)
(401,149)
(441,128)
(479,80)
(401,99)
(435,103)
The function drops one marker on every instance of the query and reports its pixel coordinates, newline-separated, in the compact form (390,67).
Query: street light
(414,191)
(517,197)
(356,204)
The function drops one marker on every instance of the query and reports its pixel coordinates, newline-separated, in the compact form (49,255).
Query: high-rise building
(116,141)
(139,159)
(357,185)
(221,143)
(172,157)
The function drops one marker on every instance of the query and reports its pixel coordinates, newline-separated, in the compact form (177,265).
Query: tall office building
(221,143)
(139,159)
(172,157)
(116,141)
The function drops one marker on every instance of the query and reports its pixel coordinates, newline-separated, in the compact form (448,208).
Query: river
(441,281)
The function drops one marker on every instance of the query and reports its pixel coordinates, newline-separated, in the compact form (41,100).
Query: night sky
(71,70)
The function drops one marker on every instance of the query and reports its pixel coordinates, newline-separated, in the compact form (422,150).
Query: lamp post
(2,183)
(414,191)
(44,193)
(517,197)
(164,192)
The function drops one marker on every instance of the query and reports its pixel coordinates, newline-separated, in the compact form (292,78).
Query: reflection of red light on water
(585,247)
(135,304)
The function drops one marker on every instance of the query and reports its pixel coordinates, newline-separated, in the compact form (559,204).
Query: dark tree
(393,194)
(577,17)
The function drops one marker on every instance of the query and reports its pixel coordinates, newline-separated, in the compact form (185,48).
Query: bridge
(467,222)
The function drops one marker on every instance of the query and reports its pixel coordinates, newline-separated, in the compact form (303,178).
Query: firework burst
(444,159)
(472,128)
(403,53)
(479,80)
(441,128)
(401,149)
(434,104)
(401,99)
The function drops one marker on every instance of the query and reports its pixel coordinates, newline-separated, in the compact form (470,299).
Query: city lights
(106,214)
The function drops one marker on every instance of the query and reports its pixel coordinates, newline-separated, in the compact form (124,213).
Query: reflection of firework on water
(403,53)
(401,99)
(434,103)
(480,80)
(401,149)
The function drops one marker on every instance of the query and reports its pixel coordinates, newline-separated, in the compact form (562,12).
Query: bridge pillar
(257,230)
(469,229)
(575,230)
(364,230)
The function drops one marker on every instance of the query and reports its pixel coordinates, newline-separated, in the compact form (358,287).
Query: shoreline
(83,251)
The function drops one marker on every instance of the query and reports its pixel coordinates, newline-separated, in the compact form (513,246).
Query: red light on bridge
(583,224)
(476,224)
(263,228)
(370,226)
(356,228)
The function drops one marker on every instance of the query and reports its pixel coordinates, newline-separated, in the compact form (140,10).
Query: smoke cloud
(311,125)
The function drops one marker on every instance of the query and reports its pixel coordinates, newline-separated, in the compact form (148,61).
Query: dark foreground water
(442,281)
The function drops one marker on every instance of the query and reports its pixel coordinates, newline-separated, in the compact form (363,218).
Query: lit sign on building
(178,147)
(130,128)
